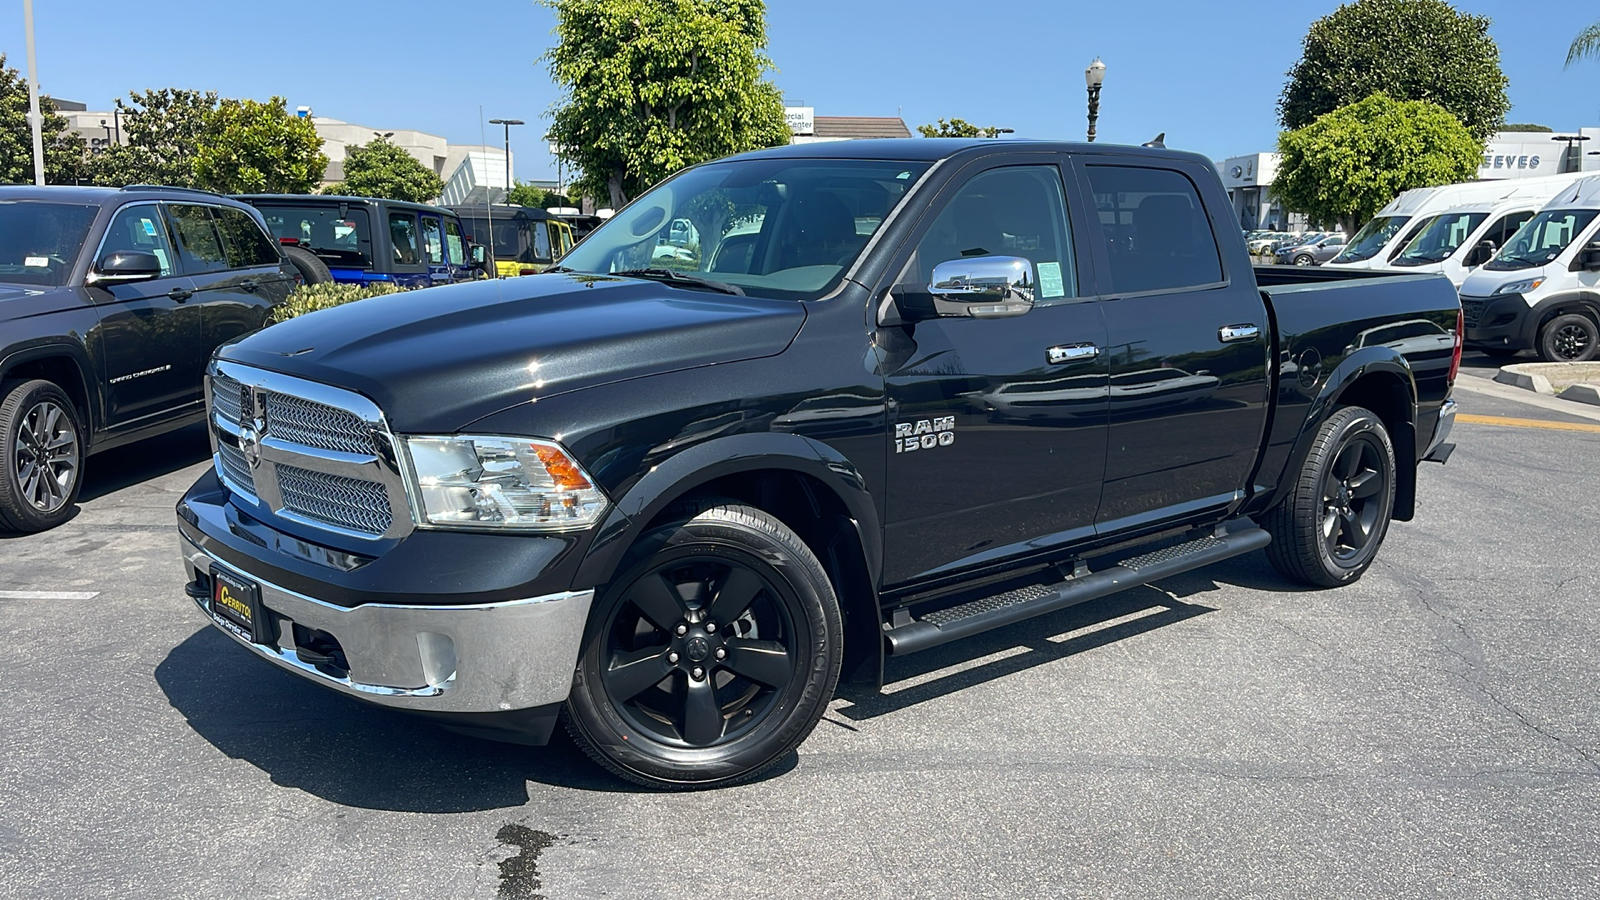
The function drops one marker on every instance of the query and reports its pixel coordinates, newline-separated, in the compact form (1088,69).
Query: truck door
(998,443)
(150,331)
(1187,343)
(433,249)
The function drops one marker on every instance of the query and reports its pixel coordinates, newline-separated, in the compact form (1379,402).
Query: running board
(976,616)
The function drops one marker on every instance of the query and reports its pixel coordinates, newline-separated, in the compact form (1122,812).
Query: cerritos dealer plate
(235,604)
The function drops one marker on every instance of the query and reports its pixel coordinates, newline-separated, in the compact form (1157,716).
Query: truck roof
(935,149)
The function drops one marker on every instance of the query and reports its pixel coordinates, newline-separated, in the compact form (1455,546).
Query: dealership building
(1509,154)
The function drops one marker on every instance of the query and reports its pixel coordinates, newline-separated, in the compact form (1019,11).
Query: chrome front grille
(236,469)
(336,500)
(316,425)
(307,452)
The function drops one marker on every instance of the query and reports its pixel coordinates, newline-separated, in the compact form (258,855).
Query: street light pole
(1094,76)
(35,117)
(507,123)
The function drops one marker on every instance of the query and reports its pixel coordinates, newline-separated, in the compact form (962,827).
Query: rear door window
(541,242)
(1156,232)
(198,240)
(433,240)
(403,236)
(243,240)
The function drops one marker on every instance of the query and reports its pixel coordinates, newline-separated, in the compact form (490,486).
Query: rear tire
(1570,337)
(1305,260)
(1327,531)
(711,656)
(42,446)
(312,270)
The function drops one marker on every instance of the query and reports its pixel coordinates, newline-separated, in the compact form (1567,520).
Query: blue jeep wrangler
(358,240)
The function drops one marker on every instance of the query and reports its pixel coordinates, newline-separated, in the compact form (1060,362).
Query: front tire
(713,654)
(1569,338)
(1327,531)
(1305,260)
(42,445)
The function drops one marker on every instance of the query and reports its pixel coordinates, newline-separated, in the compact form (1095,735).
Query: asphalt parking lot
(1432,731)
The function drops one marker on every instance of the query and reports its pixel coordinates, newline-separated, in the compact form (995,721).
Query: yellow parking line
(1527,423)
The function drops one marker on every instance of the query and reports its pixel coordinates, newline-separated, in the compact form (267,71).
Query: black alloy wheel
(1328,529)
(43,452)
(1571,337)
(712,656)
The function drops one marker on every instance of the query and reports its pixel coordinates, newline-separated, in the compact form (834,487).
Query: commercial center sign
(802,119)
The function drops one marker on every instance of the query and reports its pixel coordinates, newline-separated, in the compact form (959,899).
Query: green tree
(63,149)
(1348,163)
(652,86)
(1586,45)
(381,169)
(161,130)
(259,148)
(1408,49)
(1527,126)
(528,195)
(958,128)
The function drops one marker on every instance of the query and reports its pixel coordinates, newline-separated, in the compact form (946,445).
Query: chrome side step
(986,613)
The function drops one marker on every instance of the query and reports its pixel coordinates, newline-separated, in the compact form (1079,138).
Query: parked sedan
(1313,253)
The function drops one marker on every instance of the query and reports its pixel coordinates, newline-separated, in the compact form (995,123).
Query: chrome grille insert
(336,500)
(236,469)
(316,425)
(314,454)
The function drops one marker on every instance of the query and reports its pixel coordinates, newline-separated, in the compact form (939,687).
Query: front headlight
(486,481)
(1519,287)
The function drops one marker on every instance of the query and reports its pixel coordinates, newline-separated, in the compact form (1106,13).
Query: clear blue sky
(1208,74)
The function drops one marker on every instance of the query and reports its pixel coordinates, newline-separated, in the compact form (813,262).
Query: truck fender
(1336,390)
(17,356)
(703,463)
(1587,301)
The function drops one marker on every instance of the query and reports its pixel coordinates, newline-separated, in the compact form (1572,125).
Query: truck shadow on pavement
(114,470)
(1054,637)
(307,737)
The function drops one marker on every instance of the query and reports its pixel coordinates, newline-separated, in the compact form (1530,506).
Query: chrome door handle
(1071,353)
(1230,333)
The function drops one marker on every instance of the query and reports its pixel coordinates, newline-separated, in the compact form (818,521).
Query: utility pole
(35,117)
(507,123)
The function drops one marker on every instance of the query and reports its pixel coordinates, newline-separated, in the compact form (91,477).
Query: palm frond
(1585,45)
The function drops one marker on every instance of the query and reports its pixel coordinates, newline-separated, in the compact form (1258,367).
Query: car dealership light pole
(1094,75)
(507,123)
(35,118)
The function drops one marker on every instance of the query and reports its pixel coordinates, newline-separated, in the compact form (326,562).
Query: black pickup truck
(897,393)
(111,301)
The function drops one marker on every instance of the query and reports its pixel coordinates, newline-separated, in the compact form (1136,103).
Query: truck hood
(438,359)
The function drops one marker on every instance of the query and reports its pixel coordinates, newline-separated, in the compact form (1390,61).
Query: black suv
(111,303)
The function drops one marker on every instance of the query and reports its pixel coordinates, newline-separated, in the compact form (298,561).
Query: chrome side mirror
(121,266)
(984,287)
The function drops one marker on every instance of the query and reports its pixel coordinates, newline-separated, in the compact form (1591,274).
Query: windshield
(513,238)
(39,242)
(341,241)
(1542,239)
(1439,238)
(1371,238)
(778,228)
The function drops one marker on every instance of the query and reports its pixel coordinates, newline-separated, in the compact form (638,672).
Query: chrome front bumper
(485,658)
(1441,431)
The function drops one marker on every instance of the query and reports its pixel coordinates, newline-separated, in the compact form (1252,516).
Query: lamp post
(507,123)
(1572,159)
(1094,76)
(35,117)
(1000,131)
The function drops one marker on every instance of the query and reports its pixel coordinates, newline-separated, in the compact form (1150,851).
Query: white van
(1463,238)
(1379,241)
(1542,290)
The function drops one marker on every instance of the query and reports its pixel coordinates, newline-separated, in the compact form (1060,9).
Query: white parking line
(48,595)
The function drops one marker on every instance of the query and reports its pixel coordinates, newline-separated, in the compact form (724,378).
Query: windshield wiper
(669,276)
(556,270)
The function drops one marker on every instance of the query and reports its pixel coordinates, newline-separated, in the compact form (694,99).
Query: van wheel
(1569,338)
(711,657)
(312,270)
(1327,531)
(41,443)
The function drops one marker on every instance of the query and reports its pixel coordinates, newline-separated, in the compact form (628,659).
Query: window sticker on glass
(149,227)
(1050,284)
(161,257)
(36,262)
